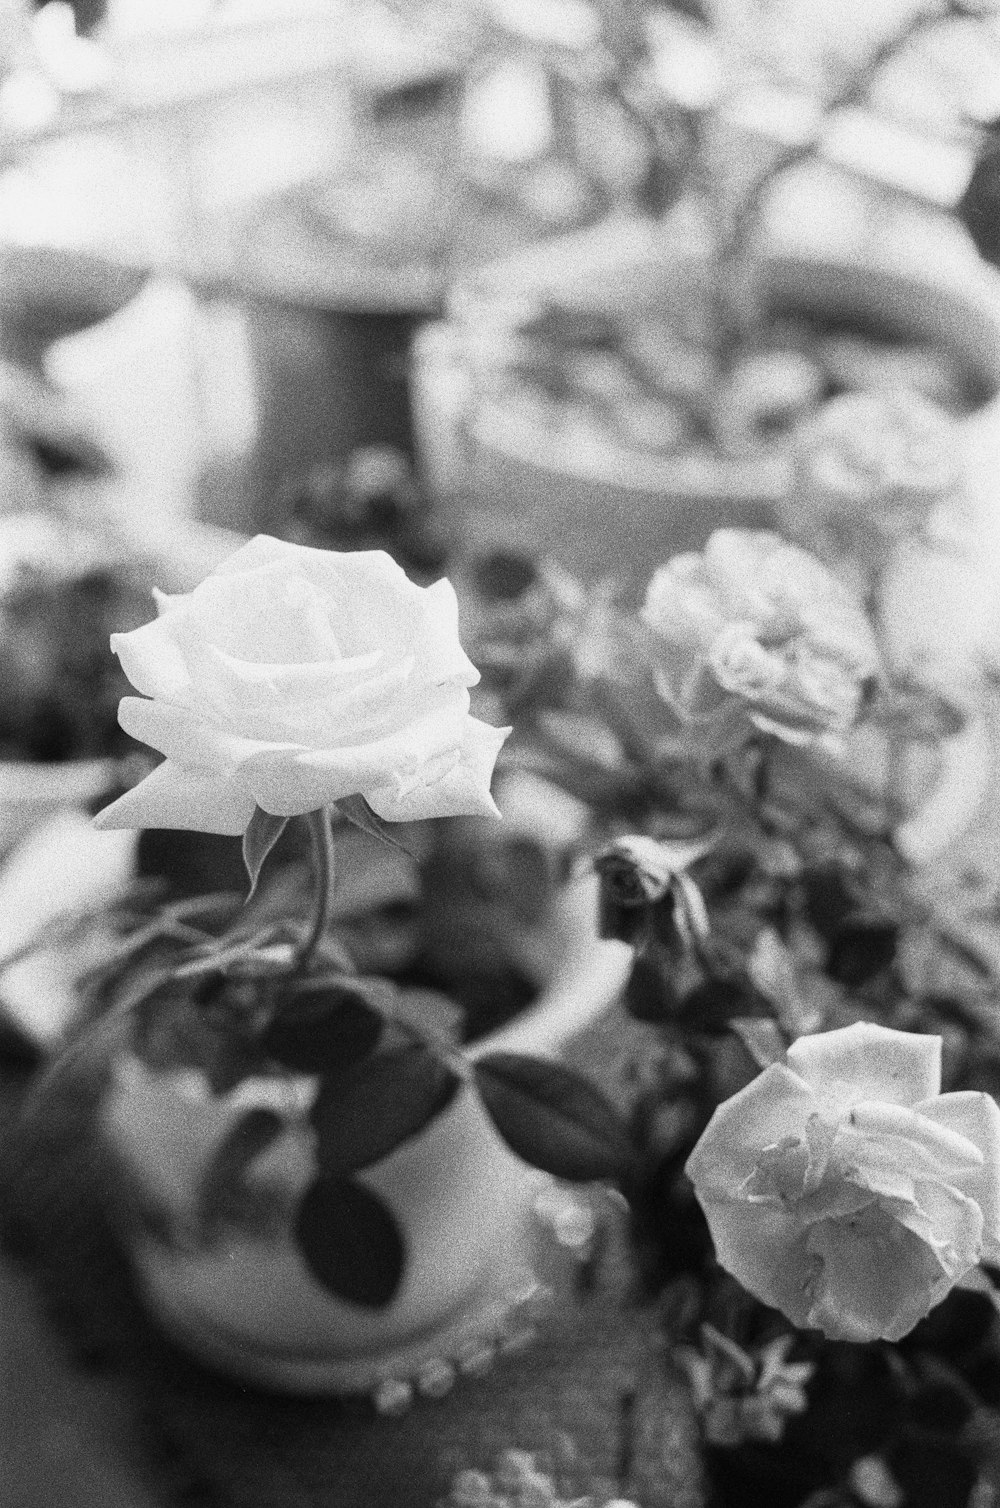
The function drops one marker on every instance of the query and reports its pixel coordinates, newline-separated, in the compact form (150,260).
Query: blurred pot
(608,509)
(245,1303)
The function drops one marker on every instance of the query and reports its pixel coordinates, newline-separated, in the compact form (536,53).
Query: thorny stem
(321,839)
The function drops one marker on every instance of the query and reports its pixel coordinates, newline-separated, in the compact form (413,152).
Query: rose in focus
(292,678)
(755,632)
(845,1190)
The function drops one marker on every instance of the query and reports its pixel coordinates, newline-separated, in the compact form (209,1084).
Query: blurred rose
(845,1189)
(293,678)
(756,630)
(871,468)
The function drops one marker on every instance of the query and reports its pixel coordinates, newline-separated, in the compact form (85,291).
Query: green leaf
(358,812)
(171,1031)
(324,1029)
(263,832)
(363,1115)
(350,1242)
(222,1180)
(762,1039)
(553,1118)
(431,1015)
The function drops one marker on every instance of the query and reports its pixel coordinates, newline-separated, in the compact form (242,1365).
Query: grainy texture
(208,1441)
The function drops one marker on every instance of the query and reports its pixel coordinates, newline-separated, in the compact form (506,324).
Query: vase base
(500,1317)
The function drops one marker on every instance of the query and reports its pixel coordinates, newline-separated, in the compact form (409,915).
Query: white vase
(247,1304)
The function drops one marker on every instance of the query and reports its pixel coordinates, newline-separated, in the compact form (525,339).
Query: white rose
(292,678)
(757,627)
(845,1190)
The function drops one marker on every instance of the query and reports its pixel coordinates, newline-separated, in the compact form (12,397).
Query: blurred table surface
(62,1443)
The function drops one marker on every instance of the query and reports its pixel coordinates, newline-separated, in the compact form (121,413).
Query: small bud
(637,871)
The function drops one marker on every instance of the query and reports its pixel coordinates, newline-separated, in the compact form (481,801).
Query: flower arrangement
(297,685)
(813,1205)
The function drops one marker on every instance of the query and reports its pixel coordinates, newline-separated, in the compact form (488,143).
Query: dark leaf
(527,879)
(860,949)
(222,1179)
(982,1374)
(941,1403)
(650,994)
(659,186)
(596,785)
(325,1029)
(933,1472)
(712,1006)
(953,1327)
(431,1014)
(627,924)
(979,207)
(350,1241)
(552,1118)
(364,1114)
(358,812)
(172,1032)
(828,897)
(234,1061)
(503,575)
(761,1038)
(262,833)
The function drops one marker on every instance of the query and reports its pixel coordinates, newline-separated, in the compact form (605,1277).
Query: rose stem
(321,840)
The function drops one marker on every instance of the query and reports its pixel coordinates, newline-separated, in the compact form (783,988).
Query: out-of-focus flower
(292,678)
(756,632)
(638,871)
(744,1395)
(640,876)
(518,1481)
(553,23)
(871,468)
(845,1190)
(874,1484)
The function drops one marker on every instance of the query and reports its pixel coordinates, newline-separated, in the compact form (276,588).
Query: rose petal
(876,1278)
(949,1222)
(261,550)
(266,616)
(288,781)
(319,704)
(899,1137)
(775,1104)
(370,599)
(740,566)
(437,649)
(182,736)
(868,1062)
(975,1116)
(152,660)
(763,1246)
(178,798)
(464,791)
(681,605)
